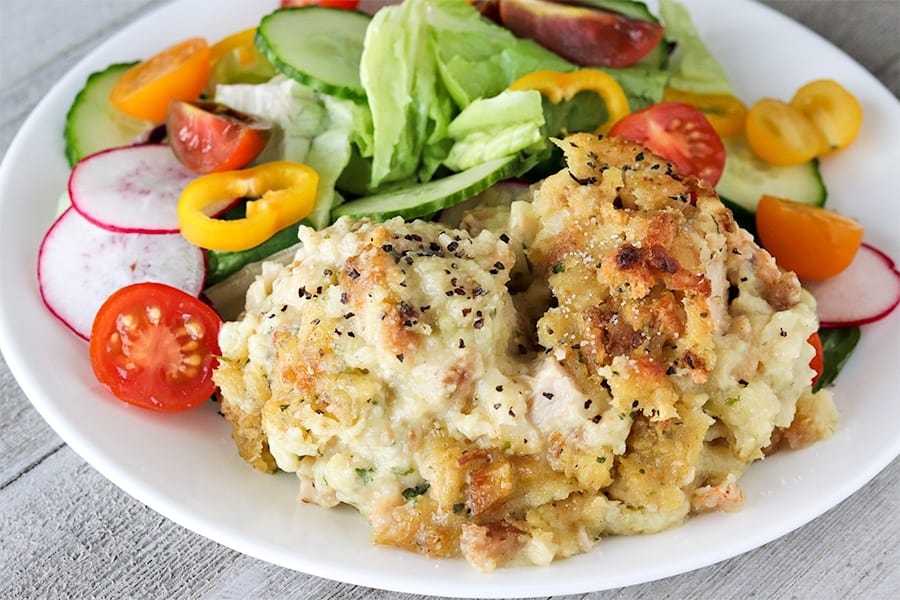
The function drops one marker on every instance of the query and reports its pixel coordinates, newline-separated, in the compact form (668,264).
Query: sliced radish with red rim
(864,292)
(131,189)
(80,265)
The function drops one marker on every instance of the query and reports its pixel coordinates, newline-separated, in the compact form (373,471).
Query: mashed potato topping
(605,359)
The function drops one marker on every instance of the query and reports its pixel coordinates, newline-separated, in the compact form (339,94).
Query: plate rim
(22,373)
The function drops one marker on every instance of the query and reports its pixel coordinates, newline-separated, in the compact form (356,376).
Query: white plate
(185,466)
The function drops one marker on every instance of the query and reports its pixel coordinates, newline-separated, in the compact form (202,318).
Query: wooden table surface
(69,533)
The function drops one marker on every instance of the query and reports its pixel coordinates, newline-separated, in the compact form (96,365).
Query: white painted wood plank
(41,41)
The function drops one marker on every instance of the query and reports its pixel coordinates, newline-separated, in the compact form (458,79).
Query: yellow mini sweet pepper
(557,86)
(725,112)
(281,193)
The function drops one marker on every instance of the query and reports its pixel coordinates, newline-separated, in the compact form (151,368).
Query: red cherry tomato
(817,363)
(585,35)
(679,133)
(155,346)
(209,136)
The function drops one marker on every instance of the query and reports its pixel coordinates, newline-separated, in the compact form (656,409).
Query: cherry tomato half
(814,242)
(155,346)
(585,35)
(817,363)
(235,59)
(781,134)
(177,73)
(833,110)
(209,136)
(679,133)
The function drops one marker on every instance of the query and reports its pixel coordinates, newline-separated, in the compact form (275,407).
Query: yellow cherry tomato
(558,86)
(814,242)
(240,44)
(725,112)
(833,110)
(285,193)
(235,59)
(781,134)
(177,73)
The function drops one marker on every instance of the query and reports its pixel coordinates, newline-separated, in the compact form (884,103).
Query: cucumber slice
(629,8)
(318,46)
(746,178)
(422,200)
(93,124)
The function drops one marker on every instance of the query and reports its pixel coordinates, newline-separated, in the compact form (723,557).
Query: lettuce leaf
(692,66)
(399,75)
(423,62)
(478,59)
(490,128)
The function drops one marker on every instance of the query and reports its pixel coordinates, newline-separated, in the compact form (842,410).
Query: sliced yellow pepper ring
(557,87)
(285,193)
(724,112)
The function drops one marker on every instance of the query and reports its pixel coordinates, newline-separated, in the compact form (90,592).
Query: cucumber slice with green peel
(629,8)
(318,46)
(747,177)
(93,124)
(422,200)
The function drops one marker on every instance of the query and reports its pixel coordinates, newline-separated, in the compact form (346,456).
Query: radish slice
(866,291)
(80,265)
(132,189)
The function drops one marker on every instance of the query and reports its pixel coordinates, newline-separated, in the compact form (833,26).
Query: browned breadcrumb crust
(395,372)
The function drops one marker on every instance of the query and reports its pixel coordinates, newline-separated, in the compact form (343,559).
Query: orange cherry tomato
(814,242)
(155,346)
(817,363)
(781,134)
(833,110)
(177,73)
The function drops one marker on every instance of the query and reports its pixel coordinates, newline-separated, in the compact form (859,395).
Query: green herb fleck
(459,507)
(365,474)
(732,401)
(401,472)
(601,459)
(414,492)
(558,268)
